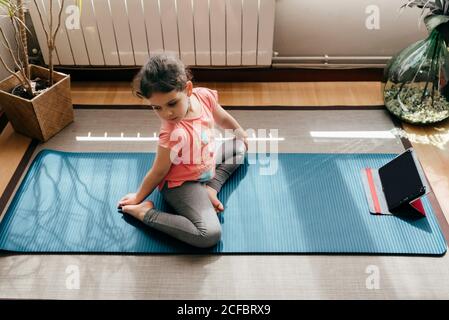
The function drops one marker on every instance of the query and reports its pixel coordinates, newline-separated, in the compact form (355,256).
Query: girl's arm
(159,170)
(226,121)
(161,166)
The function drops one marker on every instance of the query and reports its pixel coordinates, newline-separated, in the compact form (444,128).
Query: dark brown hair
(162,73)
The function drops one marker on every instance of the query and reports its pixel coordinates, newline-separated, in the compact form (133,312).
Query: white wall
(338,28)
(314,28)
(5,24)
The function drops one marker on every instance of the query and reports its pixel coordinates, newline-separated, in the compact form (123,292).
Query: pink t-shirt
(192,143)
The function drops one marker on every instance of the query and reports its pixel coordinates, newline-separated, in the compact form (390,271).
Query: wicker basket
(46,114)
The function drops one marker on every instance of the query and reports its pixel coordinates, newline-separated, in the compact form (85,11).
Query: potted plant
(415,81)
(36,100)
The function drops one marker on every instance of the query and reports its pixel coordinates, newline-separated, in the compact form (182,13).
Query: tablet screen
(401,181)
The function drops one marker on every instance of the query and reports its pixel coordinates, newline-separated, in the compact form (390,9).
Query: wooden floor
(431,143)
(248,93)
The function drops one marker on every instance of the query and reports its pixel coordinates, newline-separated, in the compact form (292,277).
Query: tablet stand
(376,197)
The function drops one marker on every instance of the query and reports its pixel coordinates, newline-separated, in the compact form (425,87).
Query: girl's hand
(130,198)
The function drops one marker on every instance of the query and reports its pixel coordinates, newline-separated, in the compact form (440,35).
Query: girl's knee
(210,236)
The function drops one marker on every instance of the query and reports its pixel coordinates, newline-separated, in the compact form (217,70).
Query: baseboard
(232,74)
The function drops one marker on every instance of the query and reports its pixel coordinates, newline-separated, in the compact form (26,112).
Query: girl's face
(171,106)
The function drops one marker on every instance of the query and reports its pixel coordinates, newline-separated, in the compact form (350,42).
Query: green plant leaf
(444,62)
(422,4)
(8,7)
(434,20)
(445,6)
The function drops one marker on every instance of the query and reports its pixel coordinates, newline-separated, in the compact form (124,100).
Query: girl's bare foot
(138,210)
(213,199)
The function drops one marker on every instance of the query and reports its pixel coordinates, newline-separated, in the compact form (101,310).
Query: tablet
(401,181)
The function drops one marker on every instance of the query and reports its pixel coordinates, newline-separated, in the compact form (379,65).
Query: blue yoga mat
(314,203)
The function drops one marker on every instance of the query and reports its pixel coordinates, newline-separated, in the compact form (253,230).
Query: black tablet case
(375,195)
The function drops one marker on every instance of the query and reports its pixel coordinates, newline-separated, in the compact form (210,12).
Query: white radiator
(127,32)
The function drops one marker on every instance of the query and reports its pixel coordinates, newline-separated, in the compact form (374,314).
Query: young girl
(187,170)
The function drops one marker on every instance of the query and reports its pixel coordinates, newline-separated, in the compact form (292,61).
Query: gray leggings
(196,221)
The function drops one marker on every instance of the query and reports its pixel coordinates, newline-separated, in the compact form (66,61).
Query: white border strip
(353,134)
(138,138)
